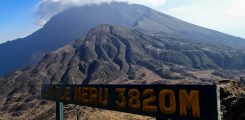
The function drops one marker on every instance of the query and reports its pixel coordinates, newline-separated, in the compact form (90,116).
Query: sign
(185,102)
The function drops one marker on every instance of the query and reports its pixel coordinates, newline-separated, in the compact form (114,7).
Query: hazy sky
(19,18)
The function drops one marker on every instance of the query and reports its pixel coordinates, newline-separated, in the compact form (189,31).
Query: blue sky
(16,19)
(19,18)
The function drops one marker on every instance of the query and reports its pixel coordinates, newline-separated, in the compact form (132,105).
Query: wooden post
(59,111)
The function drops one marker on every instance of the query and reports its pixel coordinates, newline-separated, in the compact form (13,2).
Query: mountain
(73,23)
(112,54)
(62,29)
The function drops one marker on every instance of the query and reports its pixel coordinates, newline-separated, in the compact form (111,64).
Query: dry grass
(88,113)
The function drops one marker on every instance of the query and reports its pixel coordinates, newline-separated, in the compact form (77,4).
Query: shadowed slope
(118,55)
(76,22)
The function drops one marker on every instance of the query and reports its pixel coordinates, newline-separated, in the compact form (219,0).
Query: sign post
(59,111)
(185,102)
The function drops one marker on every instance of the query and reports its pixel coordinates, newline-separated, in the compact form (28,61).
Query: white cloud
(237,8)
(228,18)
(223,15)
(47,8)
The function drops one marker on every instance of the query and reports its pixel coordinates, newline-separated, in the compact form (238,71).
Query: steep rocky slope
(62,29)
(116,54)
(76,22)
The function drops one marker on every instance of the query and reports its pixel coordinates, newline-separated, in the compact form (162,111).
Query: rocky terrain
(136,45)
(233,100)
(73,23)
(120,55)
(62,29)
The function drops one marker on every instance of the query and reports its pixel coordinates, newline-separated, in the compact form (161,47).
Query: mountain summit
(73,23)
(111,54)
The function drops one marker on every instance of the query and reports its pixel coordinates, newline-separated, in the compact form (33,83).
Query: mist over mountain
(62,29)
(73,23)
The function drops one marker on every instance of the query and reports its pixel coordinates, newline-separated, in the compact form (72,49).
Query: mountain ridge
(73,23)
(109,54)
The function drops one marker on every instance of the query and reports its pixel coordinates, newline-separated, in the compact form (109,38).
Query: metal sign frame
(185,102)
